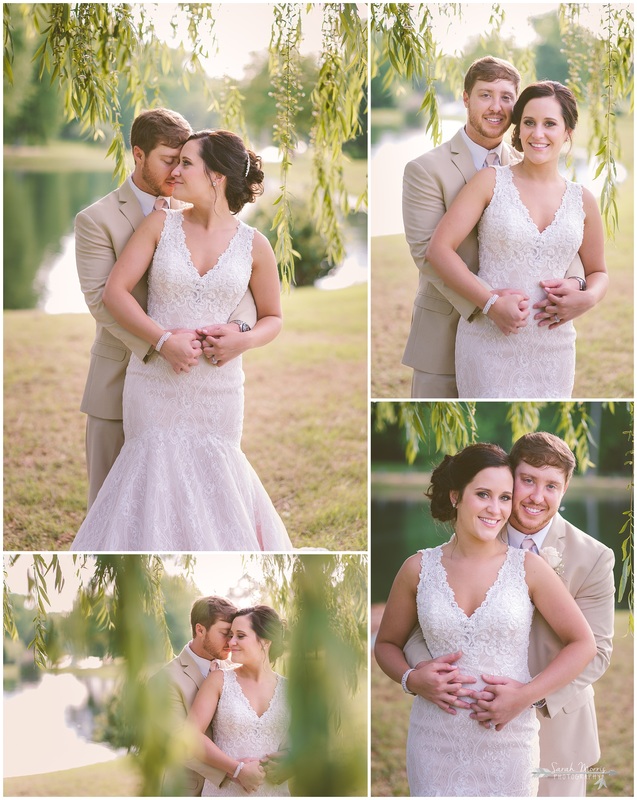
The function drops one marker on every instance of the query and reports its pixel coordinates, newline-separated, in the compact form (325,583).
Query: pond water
(401,527)
(39,244)
(47,725)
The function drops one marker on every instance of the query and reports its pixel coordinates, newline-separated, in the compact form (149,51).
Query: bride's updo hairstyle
(267,625)
(561,93)
(224,152)
(455,472)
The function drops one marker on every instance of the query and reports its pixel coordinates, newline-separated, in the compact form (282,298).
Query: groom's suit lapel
(461,157)
(129,205)
(556,536)
(190,668)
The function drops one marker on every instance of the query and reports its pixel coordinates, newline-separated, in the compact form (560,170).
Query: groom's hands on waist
(502,701)
(441,682)
(223,342)
(277,767)
(564,300)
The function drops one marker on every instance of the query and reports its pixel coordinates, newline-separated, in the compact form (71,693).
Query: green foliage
(326,599)
(626,583)
(308,243)
(337,97)
(287,90)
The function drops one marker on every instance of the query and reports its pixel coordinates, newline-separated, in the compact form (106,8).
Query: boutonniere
(553,558)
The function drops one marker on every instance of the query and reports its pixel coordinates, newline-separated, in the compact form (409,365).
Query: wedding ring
(556,318)
(214,359)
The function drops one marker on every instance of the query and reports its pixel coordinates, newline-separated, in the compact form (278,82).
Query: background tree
(600,71)
(325,601)
(106,59)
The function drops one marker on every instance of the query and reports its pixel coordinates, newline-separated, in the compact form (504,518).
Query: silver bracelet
(403,681)
(489,303)
(238,769)
(166,335)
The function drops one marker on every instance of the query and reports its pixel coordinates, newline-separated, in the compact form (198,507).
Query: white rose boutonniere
(553,558)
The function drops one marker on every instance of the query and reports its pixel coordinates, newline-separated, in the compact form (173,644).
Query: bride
(181,481)
(532,223)
(476,594)
(248,708)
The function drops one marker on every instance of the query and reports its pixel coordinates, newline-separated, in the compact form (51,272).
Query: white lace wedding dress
(536,362)
(181,481)
(239,731)
(452,755)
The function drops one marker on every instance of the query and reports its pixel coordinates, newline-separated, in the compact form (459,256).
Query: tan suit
(101,233)
(184,680)
(568,725)
(431,183)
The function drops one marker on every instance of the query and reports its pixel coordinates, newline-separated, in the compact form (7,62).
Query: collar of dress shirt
(202,663)
(146,201)
(479,153)
(515,537)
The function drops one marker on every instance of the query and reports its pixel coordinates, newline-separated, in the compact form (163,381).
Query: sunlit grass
(305,422)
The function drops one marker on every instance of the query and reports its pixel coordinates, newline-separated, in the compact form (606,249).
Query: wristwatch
(581,281)
(243,326)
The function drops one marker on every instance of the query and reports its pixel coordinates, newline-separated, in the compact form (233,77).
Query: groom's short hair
(489,69)
(159,126)
(207,610)
(543,449)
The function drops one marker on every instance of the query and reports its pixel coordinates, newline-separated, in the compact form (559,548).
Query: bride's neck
(255,672)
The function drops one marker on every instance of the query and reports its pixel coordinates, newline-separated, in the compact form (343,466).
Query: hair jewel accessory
(247,165)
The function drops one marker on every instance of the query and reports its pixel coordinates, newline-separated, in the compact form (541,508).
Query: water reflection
(46,726)
(38,213)
(399,528)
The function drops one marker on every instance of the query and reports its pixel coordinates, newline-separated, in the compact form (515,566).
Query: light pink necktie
(214,666)
(492,160)
(529,544)
(160,203)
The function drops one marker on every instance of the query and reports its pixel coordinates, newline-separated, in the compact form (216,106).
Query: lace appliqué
(513,253)
(239,731)
(454,756)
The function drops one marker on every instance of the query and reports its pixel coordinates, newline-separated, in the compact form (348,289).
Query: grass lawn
(118,778)
(305,427)
(613,700)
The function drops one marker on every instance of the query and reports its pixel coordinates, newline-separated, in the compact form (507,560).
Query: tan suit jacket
(431,183)
(185,679)
(101,233)
(568,724)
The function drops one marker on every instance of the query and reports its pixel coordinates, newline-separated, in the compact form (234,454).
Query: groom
(569,744)
(210,620)
(430,184)
(101,233)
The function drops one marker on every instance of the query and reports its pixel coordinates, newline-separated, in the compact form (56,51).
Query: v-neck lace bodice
(506,606)
(179,296)
(239,731)
(181,481)
(453,755)
(534,363)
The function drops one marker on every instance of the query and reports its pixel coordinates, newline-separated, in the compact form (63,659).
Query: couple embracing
(224,691)
(509,252)
(502,631)
(179,288)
